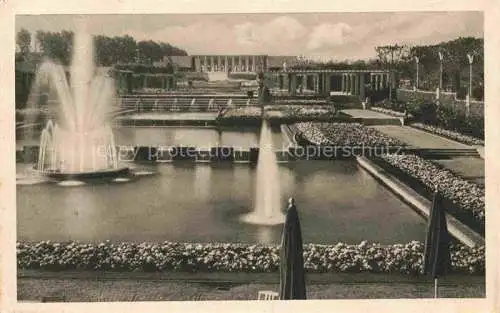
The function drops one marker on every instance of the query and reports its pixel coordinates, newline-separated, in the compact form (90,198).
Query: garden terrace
(463,199)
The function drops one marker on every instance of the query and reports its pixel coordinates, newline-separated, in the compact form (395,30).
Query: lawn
(92,290)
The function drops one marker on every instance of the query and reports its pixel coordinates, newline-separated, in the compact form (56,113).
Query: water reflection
(200,203)
(202,178)
(265,235)
(81,214)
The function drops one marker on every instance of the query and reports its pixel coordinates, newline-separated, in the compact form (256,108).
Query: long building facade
(229,63)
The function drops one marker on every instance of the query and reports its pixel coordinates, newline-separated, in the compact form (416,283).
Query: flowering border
(466,139)
(467,198)
(391,112)
(228,257)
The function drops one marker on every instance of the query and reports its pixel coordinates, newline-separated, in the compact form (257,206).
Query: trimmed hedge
(192,257)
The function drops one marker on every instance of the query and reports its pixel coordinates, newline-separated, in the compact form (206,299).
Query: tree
(392,57)
(56,46)
(23,41)
(150,51)
(455,63)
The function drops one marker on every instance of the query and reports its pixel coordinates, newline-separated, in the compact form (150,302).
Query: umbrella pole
(435,288)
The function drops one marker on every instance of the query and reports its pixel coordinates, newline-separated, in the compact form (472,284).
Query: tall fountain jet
(81,140)
(267,206)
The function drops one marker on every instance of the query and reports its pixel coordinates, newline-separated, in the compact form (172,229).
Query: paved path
(471,169)
(419,138)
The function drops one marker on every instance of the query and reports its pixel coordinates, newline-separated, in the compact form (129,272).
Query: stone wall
(445,98)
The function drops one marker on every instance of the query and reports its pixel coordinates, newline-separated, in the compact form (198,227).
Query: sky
(337,36)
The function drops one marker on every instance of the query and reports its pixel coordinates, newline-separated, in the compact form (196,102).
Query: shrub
(216,257)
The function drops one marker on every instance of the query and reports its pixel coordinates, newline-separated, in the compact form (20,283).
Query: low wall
(445,98)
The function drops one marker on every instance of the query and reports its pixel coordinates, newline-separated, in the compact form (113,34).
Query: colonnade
(325,81)
(237,63)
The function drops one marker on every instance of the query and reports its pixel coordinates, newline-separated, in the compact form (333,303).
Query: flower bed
(391,112)
(345,135)
(469,140)
(466,196)
(287,111)
(188,257)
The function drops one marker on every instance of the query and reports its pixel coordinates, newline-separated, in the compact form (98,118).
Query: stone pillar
(467,105)
(375,76)
(254,66)
(239,63)
(316,83)
(293,84)
(247,64)
(362,91)
(343,83)
(355,84)
(349,84)
(226,63)
(328,84)
(286,82)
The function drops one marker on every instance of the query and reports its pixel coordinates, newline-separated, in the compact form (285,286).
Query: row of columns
(212,63)
(348,83)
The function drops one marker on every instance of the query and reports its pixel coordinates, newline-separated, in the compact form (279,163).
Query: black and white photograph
(215,157)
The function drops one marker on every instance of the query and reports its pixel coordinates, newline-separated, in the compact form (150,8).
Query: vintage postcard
(244,159)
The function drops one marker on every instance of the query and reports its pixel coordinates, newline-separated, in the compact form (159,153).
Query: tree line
(108,50)
(402,59)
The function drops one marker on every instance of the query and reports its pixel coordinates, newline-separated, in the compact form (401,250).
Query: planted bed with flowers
(286,111)
(391,112)
(469,140)
(191,257)
(345,135)
(467,196)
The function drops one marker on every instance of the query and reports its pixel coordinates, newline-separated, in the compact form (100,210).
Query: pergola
(324,81)
(127,80)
